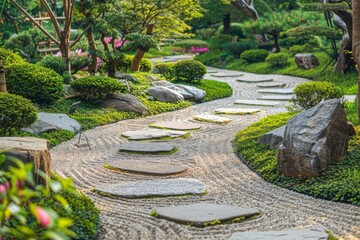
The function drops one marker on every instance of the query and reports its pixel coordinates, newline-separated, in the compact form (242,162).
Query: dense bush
(235,30)
(95,88)
(37,83)
(219,40)
(237,48)
(212,58)
(277,60)
(165,69)
(188,43)
(297,49)
(15,112)
(53,62)
(255,55)
(311,93)
(189,70)
(125,64)
(9,57)
(205,33)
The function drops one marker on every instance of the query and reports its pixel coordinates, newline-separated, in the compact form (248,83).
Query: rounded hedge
(254,55)
(311,93)
(125,64)
(189,70)
(236,49)
(277,60)
(9,57)
(37,83)
(55,63)
(16,112)
(165,69)
(97,88)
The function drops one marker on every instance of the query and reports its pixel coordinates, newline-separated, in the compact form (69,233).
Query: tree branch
(52,17)
(82,34)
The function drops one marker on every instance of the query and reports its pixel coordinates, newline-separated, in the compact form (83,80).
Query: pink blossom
(2,188)
(43,217)
(58,54)
(78,51)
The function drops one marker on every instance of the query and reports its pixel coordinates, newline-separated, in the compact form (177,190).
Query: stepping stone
(277,97)
(237,111)
(254,80)
(201,214)
(258,102)
(152,168)
(212,71)
(227,75)
(271,85)
(152,188)
(147,134)
(176,125)
(147,147)
(212,118)
(277,91)
(349,98)
(308,234)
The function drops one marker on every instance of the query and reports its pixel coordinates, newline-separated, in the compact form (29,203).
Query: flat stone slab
(152,188)
(146,147)
(277,97)
(271,85)
(255,80)
(182,126)
(237,111)
(202,213)
(258,103)
(152,134)
(304,234)
(349,98)
(61,121)
(212,118)
(227,75)
(212,71)
(153,168)
(277,91)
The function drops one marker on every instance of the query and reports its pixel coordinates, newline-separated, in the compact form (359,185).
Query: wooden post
(2,78)
(135,65)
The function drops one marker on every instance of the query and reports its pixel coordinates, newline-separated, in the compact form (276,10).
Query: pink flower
(2,188)
(78,51)
(43,217)
(58,54)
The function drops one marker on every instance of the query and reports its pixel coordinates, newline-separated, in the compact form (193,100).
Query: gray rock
(125,76)
(153,78)
(227,75)
(271,85)
(162,83)
(201,213)
(191,93)
(313,140)
(212,118)
(274,138)
(306,61)
(277,91)
(304,234)
(62,121)
(159,188)
(146,147)
(254,80)
(182,126)
(164,94)
(258,103)
(153,168)
(40,127)
(152,134)
(237,111)
(125,102)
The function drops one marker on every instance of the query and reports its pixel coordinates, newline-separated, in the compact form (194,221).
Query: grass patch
(340,183)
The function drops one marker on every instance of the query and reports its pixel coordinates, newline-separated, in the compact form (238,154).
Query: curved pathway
(209,157)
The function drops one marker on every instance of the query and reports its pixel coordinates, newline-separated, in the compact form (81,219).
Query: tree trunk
(92,47)
(3,87)
(28,149)
(356,44)
(276,43)
(65,51)
(226,23)
(135,64)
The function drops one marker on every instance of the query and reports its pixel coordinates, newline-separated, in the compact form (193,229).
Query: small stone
(125,76)
(164,94)
(271,85)
(162,83)
(258,103)
(236,111)
(152,134)
(182,126)
(254,80)
(308,234)
(146,147)
(277,97)
(212,118)
(154,188)
(306,61)
(125,102)
(227,75)
(200,214)
(277,91)
(40,127)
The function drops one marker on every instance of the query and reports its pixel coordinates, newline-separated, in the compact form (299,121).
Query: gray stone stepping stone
(255,80)
(349,98)
(277,91)
(152,188)
(152,133)
(153,168)
(227,75)
(146,147)
(304,234)
(182,126)
(200,214)
(212,118)
(236,111)
(258,103)
(212,71)
(61,121)
(271,85)
(277,97)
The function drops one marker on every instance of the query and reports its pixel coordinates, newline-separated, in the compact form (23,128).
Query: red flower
(43,217)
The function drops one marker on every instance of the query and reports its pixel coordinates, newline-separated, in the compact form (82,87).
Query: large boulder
(306,61)
(313,140)
(162,83)
(164,94)
(125,102)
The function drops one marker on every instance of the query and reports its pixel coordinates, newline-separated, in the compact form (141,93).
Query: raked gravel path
(209,156)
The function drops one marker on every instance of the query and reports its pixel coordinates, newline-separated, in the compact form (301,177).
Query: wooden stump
(28,149)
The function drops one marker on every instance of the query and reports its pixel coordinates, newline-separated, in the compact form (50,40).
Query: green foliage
(218,41)
(255,55)
(55,63)
(309,94)
(297,49)
(235,30)
(212,58)
(188,43)
(79,60)
(156,107)
(306,31)
(165,69)
(95,88)
(237,48)
(205,33)
(277,60)
(15,112)
(189,70)
(125,64)
(9,57)
(37,83)
(339,183)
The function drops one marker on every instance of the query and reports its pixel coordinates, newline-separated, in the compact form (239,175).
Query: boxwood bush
(125,64)
(95,88)
(309,94)
(15,112)
(237,48)
(277,60)
(37,83)
(58,64)
(189,70)
(188,43)
(165,69)
(254,55)
(9,57)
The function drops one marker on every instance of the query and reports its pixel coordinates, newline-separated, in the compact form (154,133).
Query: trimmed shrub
(311,93)
(205,33)
(9,57)
(125,64)
(237,48)
(37,83)
(189,70)
(255,55)
(296,49)
(95,88)
(277,60)
(188,43)
(165,69)
(55,63)
(235,30)
(16,112)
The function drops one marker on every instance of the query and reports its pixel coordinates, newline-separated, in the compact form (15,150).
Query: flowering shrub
(199,50)
(117,42)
